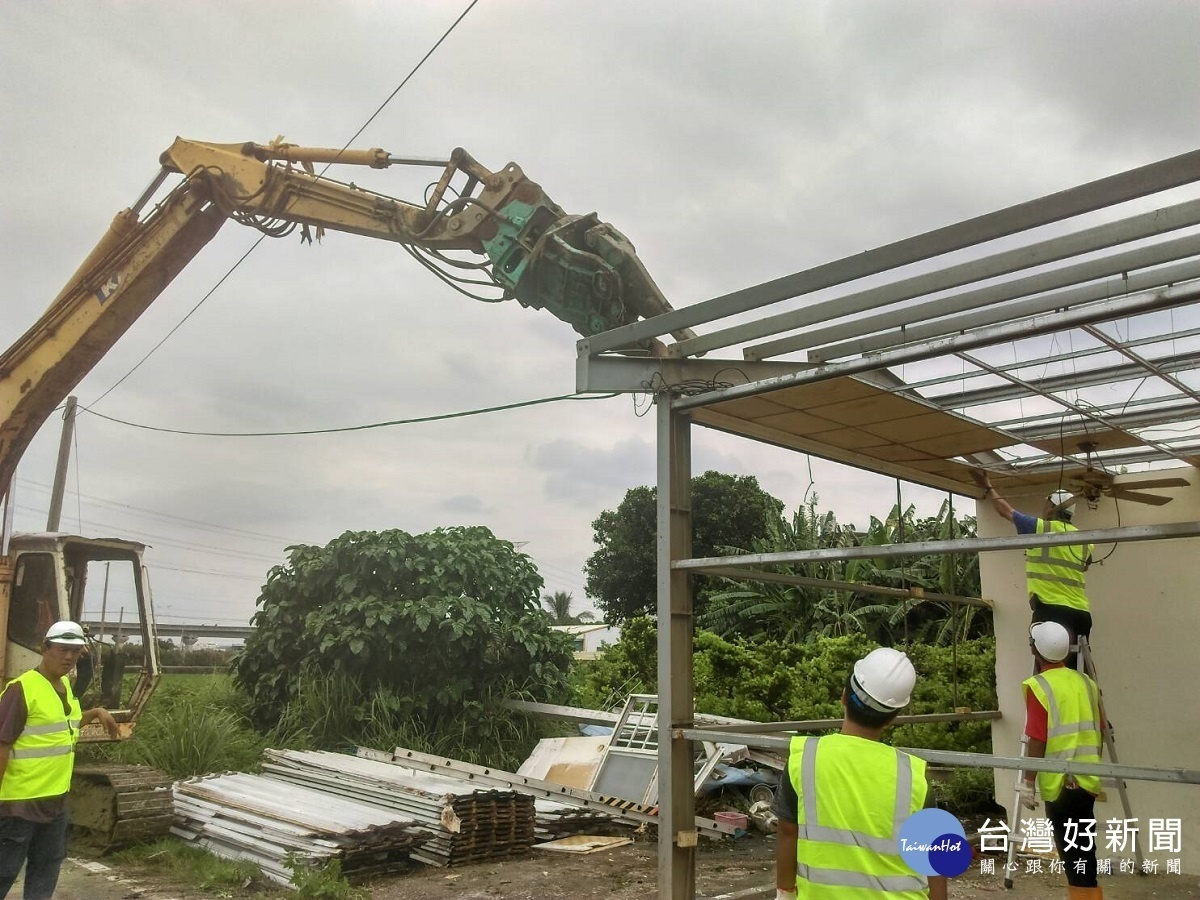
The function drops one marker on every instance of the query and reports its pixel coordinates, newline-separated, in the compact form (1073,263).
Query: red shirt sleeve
(1035,717)
(12,714)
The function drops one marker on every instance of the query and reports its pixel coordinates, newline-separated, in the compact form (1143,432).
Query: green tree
(426,626)
(729,512)
(558,605)
(932,621)
(763,610)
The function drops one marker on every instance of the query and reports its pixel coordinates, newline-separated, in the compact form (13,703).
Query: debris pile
(628,811)
(557,820)
(264,820)
(469,823)
(120,805)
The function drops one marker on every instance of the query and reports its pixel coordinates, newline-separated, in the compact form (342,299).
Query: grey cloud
(731,142)
(463,504)
(580,473)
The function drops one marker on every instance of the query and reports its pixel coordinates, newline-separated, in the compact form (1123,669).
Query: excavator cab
(57,576)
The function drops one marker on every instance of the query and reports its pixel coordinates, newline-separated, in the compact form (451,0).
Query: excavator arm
(580,269)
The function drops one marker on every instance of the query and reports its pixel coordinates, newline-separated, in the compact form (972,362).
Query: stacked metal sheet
(264,820)
(472,824)
(557,820)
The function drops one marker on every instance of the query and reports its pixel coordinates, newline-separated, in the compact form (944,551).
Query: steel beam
(1052,464)
(1069,356)
(1100,312)
(1054,250)
(1078,410)
(1144,413)
(932,319)
(825,724)
(605,374)
(1124,534)
(981,760)
(1125,186)
(804,581)
(571,713)
(1067,381)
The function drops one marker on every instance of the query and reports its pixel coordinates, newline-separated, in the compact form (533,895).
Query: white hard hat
(884,679)
(66,632)
(1051,640)
(1061,499)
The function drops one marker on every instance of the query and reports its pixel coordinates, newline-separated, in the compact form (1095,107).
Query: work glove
(1028,794)
(781,894)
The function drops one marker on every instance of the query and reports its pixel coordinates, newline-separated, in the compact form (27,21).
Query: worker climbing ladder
(1085,664)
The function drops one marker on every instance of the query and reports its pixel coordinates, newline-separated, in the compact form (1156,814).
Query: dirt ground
(736,869)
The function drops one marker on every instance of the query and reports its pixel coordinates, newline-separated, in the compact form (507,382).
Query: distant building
(590,637)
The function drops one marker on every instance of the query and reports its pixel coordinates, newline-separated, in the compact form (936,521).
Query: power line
(419,420)
(146,537)
(209,526)
(409,76)
(263,237)
(259,578)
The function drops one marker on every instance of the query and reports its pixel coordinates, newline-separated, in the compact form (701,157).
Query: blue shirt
(1025,524)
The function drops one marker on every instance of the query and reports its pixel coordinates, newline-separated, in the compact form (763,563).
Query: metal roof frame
(1010,321)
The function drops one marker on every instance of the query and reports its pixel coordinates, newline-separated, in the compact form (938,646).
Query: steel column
(677,836)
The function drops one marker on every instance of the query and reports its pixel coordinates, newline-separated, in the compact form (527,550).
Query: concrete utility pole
(60,471)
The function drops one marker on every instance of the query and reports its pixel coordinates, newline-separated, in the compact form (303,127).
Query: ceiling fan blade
(1139,497)
(1154,482)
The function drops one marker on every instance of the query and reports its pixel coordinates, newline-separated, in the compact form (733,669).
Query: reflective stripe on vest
(845,848)
(1072,703)
(42,758)
(1056,574)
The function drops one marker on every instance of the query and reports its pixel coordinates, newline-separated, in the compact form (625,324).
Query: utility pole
(104,603)
(60,471)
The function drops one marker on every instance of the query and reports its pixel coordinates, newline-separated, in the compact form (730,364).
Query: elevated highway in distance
(165,630)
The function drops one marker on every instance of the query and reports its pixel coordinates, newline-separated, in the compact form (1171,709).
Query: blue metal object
(541,258)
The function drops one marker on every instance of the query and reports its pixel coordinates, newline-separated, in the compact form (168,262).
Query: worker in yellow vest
(1054,576)
(845,796)
(40,720)
(1063,721)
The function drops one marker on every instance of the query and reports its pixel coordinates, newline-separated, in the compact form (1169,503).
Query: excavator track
(113,806)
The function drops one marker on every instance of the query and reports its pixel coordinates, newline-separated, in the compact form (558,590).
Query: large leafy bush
(431,629)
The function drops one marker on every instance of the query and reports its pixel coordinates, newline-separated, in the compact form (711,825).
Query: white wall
(1146,620)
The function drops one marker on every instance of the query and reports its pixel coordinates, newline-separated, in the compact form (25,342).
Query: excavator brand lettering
(109,288)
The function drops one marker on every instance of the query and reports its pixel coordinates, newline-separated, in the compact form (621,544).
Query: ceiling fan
(1093,483)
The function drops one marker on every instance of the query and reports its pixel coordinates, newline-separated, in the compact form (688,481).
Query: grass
(184,864)
(192,726)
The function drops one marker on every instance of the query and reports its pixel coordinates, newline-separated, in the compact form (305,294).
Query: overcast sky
(732,142)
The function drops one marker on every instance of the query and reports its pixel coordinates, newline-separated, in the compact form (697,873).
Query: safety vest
(852,796)
(1072,703)
(1056,574)
(42,758)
